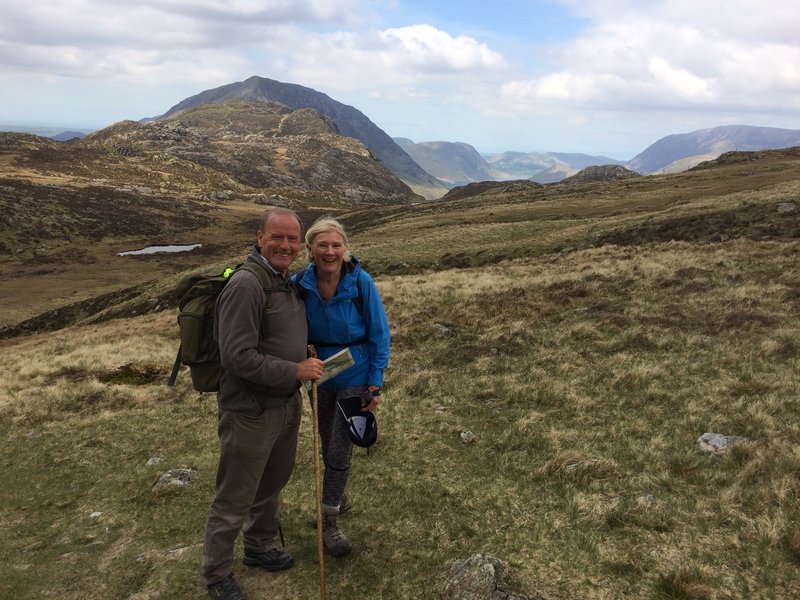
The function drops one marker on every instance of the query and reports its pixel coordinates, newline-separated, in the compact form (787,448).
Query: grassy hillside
(586,336)
(204,176)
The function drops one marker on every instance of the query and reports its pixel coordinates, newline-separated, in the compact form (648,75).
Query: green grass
(586,390)
(586,378)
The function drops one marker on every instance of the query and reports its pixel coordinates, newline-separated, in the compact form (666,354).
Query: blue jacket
(338,324)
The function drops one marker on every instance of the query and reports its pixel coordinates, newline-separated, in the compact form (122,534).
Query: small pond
(155,249)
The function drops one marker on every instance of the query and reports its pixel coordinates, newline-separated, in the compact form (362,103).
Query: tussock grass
(588,379)
(585,379)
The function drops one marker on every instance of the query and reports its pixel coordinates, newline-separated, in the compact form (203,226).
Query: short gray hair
(277,212)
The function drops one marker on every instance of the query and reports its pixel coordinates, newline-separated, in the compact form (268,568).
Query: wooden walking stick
(318,480)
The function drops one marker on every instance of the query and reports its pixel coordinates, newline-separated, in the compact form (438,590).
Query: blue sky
(607,77)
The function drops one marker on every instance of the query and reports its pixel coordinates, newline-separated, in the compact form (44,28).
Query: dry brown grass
(585,378)
(585,393)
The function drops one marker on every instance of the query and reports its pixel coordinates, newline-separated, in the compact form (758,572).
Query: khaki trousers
(257,455)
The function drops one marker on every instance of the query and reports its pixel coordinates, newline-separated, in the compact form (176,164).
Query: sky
(600,77)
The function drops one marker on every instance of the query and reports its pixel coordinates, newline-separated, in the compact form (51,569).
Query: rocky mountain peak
(257,148)
(346,120)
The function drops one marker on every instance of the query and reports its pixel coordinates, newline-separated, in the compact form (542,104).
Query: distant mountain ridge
(65,136)
(458,163)
(348,121)
(453,163)
(560,165)
(59,134)
(680,152)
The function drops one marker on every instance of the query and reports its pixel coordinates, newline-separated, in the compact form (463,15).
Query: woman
(344,310)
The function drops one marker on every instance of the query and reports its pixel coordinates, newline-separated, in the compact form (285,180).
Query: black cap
(361,425)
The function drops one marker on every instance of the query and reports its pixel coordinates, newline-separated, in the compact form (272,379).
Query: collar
(264,262)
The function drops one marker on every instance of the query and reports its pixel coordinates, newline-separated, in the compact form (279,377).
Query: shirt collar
(267,264)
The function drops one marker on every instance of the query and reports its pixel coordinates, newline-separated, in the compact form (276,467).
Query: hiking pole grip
(318,478)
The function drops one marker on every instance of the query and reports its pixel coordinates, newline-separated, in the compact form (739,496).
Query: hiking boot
(274,560)
(227,589)
(336,542)
(344,506)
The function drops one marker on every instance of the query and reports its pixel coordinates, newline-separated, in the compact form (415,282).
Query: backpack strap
(175,368)
(359,299)
(266,279)
(260,273)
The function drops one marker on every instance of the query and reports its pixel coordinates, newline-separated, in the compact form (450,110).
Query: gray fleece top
(261,339)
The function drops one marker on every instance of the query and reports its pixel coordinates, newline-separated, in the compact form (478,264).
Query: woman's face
(328,252)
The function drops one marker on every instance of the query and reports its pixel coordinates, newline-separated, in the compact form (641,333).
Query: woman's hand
(376,398)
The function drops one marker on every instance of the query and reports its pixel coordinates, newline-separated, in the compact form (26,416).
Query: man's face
(280,241)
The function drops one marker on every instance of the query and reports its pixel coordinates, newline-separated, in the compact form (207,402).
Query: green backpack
(198,348)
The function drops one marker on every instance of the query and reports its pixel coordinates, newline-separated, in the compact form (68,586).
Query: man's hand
(309,369)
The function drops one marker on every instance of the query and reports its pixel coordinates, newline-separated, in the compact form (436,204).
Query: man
(262,340)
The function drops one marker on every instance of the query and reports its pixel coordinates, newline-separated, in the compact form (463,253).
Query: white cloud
(636,63)
(274,11)
(419,64)
(675,54)
(393,59)
(197,39)
(83,37)
(434,51)
(683,86)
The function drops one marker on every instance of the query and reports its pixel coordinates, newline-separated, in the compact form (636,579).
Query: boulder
(480,577)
